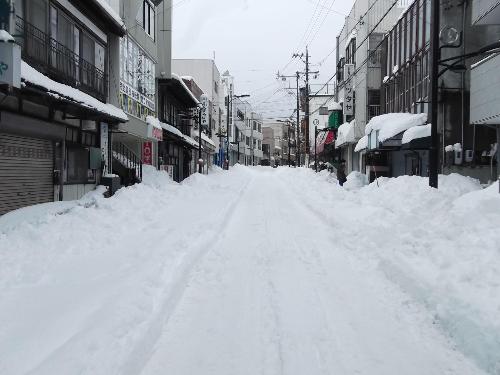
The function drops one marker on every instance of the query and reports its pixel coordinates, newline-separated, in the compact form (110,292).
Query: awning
(32,78)
(323,139)
(172,132)
(417,137)
(362,144)
(346,134)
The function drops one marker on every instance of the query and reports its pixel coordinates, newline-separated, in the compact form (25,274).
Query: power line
(367,58)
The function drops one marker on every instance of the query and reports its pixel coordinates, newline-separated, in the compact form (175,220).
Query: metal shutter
(26,170)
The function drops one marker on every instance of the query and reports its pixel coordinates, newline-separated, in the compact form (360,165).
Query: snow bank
(87,290)
(391,124)
(355,180)
(439,246)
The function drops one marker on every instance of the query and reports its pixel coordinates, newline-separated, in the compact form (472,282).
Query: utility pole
(307,101)
(297,136)
(229,105)
(435,57)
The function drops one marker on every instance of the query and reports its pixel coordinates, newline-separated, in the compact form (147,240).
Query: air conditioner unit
(458,157)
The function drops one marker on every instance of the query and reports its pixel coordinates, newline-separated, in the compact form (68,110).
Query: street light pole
(435,56)
(315,148)
(297,136)
(200,167)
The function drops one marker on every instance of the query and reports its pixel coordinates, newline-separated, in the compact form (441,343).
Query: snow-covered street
(255,271)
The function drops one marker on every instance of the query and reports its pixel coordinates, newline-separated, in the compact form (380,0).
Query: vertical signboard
(147,153)
(205,116)
(105,147)
(348,89)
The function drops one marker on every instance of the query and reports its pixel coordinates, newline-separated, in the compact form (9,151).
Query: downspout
(464,7)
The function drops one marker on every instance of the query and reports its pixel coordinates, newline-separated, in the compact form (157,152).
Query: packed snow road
(244,272)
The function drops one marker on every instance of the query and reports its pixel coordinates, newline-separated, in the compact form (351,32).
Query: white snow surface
(346,134)
(5,36)
(255,271)
(416,132)
(56,89)
(391,124)
(362,144)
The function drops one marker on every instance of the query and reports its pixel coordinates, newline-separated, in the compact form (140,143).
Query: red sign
(147,153)
(158,133)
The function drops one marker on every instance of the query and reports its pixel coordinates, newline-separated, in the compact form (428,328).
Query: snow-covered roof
(334,106)
(5,36)
(59,90)
(362,144)
(207,139)
(170,129)
(110,12)
(416,132)
(391,124)
(183,84)
(188,78)
(346,134)
(351,36)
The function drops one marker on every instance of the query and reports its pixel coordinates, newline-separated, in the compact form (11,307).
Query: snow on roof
(56,89)
(334,106)
(207,139)
(351,36)
(188,78)
(362,144)
(391,124)
(5,36)
(111,12)
(171,129)
(346,134)
(188,91)
(416,132)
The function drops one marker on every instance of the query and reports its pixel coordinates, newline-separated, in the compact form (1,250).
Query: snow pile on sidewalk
(440,246)
(86,286)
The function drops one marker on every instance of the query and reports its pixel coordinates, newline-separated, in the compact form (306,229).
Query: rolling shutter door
(26,170)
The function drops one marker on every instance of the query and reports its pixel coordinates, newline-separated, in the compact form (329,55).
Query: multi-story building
(256,138)
(279,138)
(485,80)
(207,76)
(464,148)
(60,105)
(145,55)
(358,56)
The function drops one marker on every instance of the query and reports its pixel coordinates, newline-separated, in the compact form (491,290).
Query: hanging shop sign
(349,89)
(205,116)
(147,153)
(105,147)
(10,64)
(335,119)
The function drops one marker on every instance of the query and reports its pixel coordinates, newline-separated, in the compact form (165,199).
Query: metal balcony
(58,62)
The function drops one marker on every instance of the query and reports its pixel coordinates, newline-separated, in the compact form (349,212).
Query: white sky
(253,39)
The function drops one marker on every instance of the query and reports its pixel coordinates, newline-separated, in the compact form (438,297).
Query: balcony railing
(372,111)
(59,62)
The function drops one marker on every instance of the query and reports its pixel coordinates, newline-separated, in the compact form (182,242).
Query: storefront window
(137,85)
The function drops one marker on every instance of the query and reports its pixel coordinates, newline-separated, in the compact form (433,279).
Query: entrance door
(26,172)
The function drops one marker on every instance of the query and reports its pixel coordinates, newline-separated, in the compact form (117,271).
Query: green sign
(335,119)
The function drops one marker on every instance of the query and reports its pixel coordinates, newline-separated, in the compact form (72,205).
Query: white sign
(205,117)
(10,64)
(105,147)
(348,89)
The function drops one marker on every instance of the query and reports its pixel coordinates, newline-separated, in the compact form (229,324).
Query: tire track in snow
(145,347)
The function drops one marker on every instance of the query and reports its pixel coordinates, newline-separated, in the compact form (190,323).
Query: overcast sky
(253,39)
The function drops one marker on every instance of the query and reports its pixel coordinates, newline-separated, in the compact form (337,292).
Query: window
(421,29)
(351,52)
(137,79)
(260,128)
(146,17)
(77,159)
(216,87)
(255,125)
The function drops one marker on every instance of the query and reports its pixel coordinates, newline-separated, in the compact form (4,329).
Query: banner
(147,153)
(349,89)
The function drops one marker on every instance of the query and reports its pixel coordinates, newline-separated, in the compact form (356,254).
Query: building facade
(358,59)
(56,128)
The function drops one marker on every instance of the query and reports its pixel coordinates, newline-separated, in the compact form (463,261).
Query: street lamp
(229,102)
